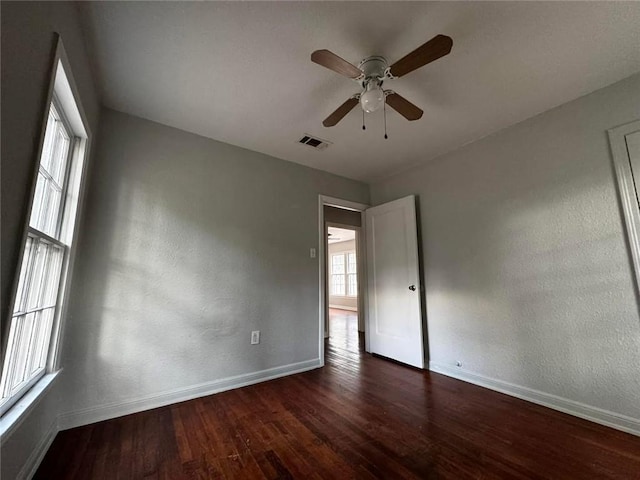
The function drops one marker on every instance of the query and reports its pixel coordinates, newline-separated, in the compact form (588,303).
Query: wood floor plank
(358,417)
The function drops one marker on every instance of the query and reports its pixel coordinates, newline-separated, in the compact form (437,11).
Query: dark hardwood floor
(358,417)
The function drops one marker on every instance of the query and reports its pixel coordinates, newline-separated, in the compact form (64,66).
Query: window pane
(337,285)
(21,293)
(38,201)
(50,226)
(37,277)
(18,357)
(352,263)
(45,276)
(55,148)
(59,157)
(52,279)
(337,263)
(46,206)
(49,138)
(11,349)
(353,285)
(40,346)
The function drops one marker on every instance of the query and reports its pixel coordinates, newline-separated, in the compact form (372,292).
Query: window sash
(35,310)
(54,168)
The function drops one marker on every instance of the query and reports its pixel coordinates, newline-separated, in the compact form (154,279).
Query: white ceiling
(340,234)
(240,72)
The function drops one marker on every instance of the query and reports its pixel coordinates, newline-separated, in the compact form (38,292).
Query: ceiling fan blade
(333,62)
(340,112)
(437,47)
(404,107)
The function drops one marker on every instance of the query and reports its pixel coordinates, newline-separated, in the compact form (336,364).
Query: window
(43,269)
(344,275)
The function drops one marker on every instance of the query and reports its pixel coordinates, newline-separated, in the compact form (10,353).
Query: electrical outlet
(255,337)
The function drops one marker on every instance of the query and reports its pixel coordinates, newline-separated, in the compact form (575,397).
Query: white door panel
(395,321)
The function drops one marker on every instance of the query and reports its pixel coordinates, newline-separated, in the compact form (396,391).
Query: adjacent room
(320,240)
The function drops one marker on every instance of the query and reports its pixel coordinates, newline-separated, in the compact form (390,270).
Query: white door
(395,321)
(625,148)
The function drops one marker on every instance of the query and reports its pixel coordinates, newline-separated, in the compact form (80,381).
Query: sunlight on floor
(343,328)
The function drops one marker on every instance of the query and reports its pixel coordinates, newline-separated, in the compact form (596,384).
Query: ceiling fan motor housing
(374,68)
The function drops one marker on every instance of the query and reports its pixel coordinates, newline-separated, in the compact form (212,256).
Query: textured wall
(190,244)
(28,45)
(528,278)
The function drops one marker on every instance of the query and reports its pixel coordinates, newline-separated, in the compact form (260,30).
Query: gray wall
(27,52)
(528,278)
(190,244)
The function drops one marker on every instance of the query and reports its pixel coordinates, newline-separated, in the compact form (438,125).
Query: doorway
(390,307)
(344,330)
(342,275)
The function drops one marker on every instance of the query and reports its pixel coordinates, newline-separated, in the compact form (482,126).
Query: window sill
(19,412)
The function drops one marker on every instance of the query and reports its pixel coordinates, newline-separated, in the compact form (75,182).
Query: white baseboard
(32,463)
(118,409)
(577,409)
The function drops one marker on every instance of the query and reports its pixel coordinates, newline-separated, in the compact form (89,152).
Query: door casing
(323,201)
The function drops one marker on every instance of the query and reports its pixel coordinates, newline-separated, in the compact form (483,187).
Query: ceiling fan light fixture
(372,71)
(373,97)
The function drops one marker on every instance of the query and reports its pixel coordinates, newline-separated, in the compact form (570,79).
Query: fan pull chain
(363,127)
(384,111)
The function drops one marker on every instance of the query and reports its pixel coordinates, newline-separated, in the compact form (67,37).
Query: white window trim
(627,191)
(63,88)
(12,419)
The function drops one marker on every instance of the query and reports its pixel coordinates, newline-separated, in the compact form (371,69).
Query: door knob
(412,288)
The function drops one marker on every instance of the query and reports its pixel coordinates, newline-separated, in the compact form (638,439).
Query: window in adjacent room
(31,334)
(344,277)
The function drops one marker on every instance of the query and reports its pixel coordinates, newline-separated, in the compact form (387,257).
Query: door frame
(322,266)
(360,266)
(627,192)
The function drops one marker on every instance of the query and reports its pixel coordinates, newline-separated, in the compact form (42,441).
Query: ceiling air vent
(314,142)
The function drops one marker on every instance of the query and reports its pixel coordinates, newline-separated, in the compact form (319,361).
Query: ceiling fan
(373,71)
